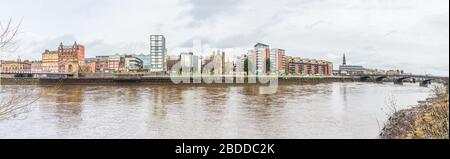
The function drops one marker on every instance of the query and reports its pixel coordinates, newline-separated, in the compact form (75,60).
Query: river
(328,110)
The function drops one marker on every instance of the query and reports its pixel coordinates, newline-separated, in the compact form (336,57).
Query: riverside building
(303,66)
(70,57)
(258,57)
(345,69)
(157,53)
(50,61)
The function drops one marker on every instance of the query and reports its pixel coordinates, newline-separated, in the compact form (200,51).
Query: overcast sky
(408,34)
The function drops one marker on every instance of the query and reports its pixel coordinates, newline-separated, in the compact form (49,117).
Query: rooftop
(306,60)
(261,45)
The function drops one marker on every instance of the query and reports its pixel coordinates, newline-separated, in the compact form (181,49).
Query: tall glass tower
(157,53)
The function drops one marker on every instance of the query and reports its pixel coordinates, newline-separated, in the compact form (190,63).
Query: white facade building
(157,53)
(133,64)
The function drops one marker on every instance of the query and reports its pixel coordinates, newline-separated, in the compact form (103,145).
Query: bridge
(424,80)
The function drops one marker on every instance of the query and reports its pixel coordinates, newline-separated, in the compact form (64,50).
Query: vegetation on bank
(428,120)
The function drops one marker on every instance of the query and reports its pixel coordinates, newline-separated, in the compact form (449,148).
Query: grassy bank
(427,120)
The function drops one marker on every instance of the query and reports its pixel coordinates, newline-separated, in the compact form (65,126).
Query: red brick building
(71,57)
(302,66)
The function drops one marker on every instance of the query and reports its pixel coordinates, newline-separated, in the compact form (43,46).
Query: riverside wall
(169,81)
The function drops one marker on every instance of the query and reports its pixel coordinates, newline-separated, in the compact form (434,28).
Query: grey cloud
(52,43)
(411,34)
(100,47)
(189,43)
(204,10)
(241,40)
(33,48)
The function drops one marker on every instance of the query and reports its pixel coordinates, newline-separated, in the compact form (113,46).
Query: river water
(329,110)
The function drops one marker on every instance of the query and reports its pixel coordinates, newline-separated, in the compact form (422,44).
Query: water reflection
(65,106)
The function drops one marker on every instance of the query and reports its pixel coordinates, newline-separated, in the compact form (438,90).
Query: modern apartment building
(113,63)
(303,66)
(157,53)
(277,60)
(258,57)
(133,64)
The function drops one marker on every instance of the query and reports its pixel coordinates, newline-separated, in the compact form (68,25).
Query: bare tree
(17,102)
(13,101)
(8,33)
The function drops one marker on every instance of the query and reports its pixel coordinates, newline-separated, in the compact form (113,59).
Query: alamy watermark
(200,65)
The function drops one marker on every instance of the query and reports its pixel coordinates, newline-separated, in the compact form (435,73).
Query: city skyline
(266,60)
(412,35)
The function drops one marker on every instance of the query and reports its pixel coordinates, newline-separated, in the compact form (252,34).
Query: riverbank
(169,80)
(428,120)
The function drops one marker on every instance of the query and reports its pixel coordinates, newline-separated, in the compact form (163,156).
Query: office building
(145,61)
(133,64)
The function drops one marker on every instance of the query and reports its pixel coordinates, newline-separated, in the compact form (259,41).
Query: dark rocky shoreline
(427,120)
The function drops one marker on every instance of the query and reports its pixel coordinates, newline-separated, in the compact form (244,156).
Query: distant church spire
(344,61)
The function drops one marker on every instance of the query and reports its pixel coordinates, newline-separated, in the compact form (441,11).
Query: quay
(219,80)
(167,80)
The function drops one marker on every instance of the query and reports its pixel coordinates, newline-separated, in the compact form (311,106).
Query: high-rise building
(157,53)
(277,60)
(258,57)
